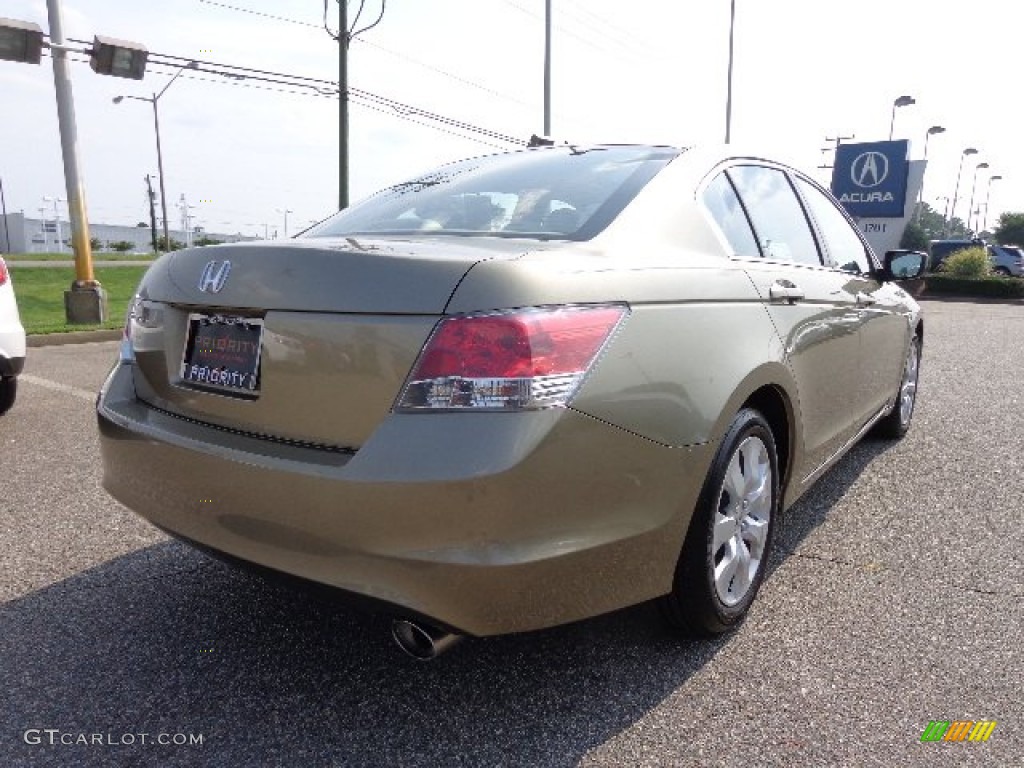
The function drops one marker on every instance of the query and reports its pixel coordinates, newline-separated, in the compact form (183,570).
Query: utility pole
(343,38)
(547,68)
(837,140)
(728,97)
(343,41)
(186,219)
(43,225)
(151,195)
(7,234)
(56,220)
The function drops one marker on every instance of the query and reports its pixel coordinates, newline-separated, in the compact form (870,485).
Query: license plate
(222,353)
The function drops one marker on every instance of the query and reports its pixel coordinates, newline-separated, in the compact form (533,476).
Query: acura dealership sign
(870,180)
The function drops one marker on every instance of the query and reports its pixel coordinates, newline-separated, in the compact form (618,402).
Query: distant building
(20,234)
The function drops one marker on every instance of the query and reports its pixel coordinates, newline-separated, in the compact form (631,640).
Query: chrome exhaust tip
(422,641)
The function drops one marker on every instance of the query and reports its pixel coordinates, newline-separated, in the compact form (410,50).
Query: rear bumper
(482,523)
(12,343)
(11,366)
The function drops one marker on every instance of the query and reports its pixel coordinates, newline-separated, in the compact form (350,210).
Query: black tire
(1002,271)
(896,423)
(700,604)
(8,392)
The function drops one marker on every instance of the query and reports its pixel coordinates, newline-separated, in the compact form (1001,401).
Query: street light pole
(920,198)
(728,92)
(974,184)
(285,211)
(85,302)
(84,278)
(159,150)
(160,172)
(56,220)
(945,211)
(984,225)
(956,190)
(902,101)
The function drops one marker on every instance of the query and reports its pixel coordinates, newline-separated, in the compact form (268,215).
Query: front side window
(780,225)
(554,193)
(845,248)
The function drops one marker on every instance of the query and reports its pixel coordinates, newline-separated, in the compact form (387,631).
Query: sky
(646,70)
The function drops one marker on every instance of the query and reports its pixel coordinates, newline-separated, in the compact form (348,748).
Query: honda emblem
(214,277)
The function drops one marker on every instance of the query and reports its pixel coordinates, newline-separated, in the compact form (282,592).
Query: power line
(260,13)
(574,14)
(445,73)
(571,33)
(319,86)
(384,111)
(378,46)
(637,42)
(354,33)
(313,87)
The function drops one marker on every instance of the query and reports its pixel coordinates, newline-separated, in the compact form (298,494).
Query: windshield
(553,193)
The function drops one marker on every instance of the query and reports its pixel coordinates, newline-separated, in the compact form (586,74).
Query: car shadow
(169,641)
(813,508)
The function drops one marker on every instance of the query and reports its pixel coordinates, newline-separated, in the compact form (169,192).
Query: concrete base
(85,305)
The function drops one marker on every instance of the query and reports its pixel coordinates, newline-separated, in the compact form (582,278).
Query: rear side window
(845,248)
(725,208)
(780,224)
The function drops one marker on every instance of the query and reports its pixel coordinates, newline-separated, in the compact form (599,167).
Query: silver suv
(1007,260)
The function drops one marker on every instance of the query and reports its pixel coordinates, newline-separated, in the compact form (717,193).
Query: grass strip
(40,296)
(14,258)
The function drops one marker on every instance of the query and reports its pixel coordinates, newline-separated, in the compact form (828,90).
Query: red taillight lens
(3,272)
(530,358)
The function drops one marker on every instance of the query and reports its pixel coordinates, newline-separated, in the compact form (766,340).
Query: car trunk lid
(308,341)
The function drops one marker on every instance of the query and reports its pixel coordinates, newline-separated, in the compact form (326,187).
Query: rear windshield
(552,193)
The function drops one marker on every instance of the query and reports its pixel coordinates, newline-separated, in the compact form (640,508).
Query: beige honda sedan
(518,391)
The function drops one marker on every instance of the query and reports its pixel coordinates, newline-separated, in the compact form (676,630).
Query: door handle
(865,299)
(785,291)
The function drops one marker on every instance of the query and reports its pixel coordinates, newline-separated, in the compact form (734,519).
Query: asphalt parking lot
(895,599)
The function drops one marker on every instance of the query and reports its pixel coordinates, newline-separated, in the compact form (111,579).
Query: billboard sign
(885,232)
(870,179)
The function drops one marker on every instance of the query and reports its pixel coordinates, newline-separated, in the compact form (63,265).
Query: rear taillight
(522,359)
(3,272)
(127,349)
(142,315)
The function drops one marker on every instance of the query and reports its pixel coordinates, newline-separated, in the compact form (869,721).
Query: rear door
(813,307)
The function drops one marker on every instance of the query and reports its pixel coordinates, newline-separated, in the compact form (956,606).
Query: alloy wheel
(908,387)
(741,525)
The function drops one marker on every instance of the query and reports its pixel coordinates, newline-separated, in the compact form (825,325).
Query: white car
(12,341)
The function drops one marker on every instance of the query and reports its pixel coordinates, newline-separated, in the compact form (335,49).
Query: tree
(176,245)
(1010,229)
(934,225)
(914,238)
(204,240)
(95,243)
(122,246)
(930,222)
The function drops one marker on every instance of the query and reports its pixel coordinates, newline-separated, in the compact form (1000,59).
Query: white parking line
(56,386)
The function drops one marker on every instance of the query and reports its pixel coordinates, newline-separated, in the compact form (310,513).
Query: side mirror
(904,265)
